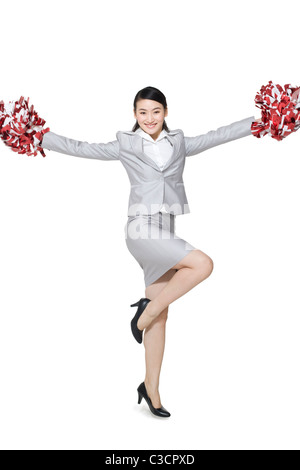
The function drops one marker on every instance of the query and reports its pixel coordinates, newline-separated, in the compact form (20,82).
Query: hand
(258,120)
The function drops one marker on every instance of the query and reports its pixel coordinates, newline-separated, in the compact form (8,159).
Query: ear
(166,112)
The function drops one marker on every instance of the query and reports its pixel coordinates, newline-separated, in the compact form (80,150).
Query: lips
(150,127)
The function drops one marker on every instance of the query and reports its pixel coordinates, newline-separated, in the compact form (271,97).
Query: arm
(223,134)
(77,148)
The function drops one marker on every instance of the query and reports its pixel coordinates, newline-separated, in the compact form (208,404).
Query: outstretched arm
(77,148)
(223,134)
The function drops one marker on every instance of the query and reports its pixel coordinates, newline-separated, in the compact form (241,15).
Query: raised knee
(205,266)
(210,266)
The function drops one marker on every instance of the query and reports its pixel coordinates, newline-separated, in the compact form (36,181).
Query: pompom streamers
(280,111)
(21,128)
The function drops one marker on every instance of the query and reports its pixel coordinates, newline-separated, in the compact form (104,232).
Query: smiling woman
(171,265)
(154,158)
(150,110)
(150,119)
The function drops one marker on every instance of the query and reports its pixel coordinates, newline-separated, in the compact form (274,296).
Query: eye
(142,112)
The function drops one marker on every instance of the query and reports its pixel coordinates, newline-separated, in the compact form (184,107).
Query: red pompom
(280,111)
(21,128)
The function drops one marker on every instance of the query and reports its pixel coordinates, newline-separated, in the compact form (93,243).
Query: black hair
(150,93)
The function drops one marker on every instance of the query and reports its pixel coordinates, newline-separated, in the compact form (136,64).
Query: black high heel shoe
(142,393)
(141,304)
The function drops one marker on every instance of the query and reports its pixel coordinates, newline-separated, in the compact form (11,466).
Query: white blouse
(160,150)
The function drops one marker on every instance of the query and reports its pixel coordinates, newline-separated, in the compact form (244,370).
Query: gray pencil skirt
(152,241)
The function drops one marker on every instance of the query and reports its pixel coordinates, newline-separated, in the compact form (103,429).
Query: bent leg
(192,269)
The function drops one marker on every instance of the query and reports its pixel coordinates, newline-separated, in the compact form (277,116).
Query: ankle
(151,386)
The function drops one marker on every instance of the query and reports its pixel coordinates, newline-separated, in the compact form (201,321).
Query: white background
(69,365)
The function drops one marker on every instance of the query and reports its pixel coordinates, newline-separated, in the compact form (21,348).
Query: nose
(149,119)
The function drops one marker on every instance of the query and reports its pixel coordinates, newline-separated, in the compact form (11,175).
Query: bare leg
(154,341)
(192,269)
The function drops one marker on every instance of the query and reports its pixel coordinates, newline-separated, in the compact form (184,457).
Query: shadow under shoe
(142,393)
(141,304)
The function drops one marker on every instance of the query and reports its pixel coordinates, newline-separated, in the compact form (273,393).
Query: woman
(154,159)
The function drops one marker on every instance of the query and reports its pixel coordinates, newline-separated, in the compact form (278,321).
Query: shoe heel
(140,398)
(135,305)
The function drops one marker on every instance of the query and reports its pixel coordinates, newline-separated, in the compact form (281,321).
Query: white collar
(148,137)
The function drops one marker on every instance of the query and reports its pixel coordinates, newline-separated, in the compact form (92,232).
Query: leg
(154,341)
(192,269)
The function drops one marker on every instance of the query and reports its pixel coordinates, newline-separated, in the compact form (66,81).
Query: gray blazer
(151,186)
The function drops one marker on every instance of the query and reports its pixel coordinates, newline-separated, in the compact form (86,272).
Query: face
(150,116)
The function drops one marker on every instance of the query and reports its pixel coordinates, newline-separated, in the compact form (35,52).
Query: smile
(153,125)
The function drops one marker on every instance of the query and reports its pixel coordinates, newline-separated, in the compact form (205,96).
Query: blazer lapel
(175,144)
(137,146)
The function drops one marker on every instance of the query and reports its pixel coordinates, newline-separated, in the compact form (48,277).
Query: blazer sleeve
(236,130)
(77,148)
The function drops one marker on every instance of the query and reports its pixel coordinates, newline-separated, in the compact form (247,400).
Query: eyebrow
(143,109)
